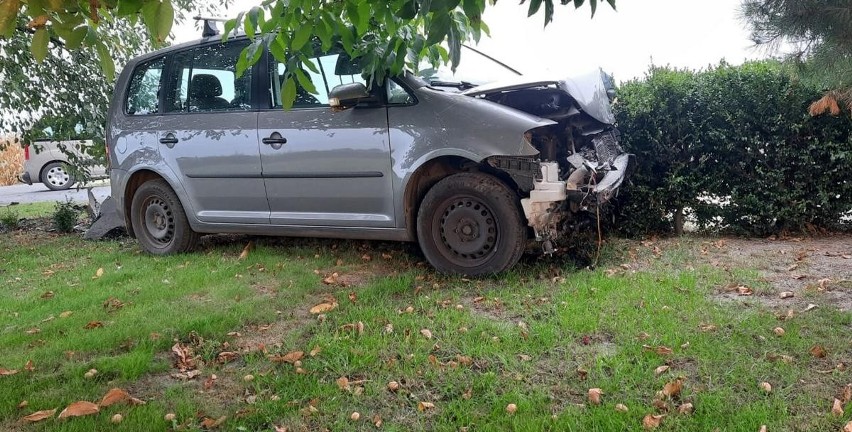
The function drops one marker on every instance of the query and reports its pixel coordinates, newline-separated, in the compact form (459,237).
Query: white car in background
(45,162)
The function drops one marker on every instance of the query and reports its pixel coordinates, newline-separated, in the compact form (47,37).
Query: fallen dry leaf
(184,359)
(353,297)
(316,350)
(245,253)
(818,351)
(79,409)
(426,333)
(393,386)
(343,383)
(837,408)
(762,428)
(423,406)
(29,367)
(116,419)
(707,327)
(823,283)
(97,275)
(595,396)
(672,389)
(209,423)
(847,393)
(39,416)
(786,294)
(323,308)
(93,325)
(848,427)
(47,295)
(651,421)
(291,357)
(65,314)
(23,404)
(661,369)
(331,279)
(621,407)
(511,408)
(810,307)
(661,350)
(744,290)
(779,331)
(355,416)
(766,387)
(117,395)
(464,360)
(377,421)
(685,408)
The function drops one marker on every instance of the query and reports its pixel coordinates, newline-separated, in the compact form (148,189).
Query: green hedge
(733,149)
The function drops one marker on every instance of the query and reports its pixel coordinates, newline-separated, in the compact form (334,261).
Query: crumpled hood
(588,89)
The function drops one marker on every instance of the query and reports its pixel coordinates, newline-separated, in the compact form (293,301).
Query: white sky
(679,33)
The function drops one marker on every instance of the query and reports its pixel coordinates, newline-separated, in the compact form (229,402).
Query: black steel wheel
(471,224)
(159,220)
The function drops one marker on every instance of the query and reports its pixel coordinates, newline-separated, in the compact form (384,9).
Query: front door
(209,135)
(325,168)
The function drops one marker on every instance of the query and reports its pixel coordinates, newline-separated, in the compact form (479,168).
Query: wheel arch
(435,170)
(134,182)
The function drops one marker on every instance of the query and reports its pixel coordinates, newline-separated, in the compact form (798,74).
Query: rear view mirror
(347,95)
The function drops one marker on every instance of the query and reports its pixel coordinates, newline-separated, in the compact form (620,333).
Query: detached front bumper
(25,178)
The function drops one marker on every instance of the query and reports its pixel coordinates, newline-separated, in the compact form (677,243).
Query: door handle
(169,140)
(275,140)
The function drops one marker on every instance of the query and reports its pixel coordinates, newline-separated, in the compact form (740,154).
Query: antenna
(210,28)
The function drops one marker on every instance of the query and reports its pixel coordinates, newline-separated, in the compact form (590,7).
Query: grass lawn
(460,351)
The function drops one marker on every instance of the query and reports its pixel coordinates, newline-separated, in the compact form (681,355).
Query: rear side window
(143,95)
(204,79)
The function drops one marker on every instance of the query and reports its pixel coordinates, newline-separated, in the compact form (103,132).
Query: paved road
(23,193)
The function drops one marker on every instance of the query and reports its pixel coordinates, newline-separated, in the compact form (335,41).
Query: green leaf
(408,10)
(75,38)
(611,3)
(39,45)
(535,5)
(230,25)
(548,12)
(288,93)
(303,34)
(438,28)
(364,12)
(158,16)
(346,38)
(128,7)
(8,16)
(594,6)
(305,82)
(107,65)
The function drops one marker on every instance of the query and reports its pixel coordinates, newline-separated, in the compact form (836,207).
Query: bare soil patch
(816,270)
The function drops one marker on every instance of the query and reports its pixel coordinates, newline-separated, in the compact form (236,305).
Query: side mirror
(347,95)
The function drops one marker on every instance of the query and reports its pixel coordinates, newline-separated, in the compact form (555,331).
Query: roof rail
(210,28)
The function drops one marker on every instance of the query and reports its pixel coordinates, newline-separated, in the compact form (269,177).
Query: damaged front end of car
(580,165)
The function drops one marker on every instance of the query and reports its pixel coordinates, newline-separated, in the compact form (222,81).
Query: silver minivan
(477,166)
(50,162)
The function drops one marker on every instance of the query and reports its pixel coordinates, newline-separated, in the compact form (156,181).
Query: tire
(159,220)
(470,224)
(56,176)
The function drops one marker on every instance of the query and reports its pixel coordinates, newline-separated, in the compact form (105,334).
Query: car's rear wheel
(471,224)
(56,176)
(159,220)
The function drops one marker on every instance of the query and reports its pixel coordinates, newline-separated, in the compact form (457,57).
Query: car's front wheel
(56,176)
(159,220)
(471,224)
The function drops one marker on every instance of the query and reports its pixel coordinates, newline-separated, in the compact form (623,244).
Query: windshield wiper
(461,85)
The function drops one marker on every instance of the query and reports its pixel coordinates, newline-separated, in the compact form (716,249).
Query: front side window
(143,95)
(204,79)
(331,70)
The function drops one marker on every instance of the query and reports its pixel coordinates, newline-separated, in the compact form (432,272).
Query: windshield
(475,69)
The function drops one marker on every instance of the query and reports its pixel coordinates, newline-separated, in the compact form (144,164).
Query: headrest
(347,66)
(206,86)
